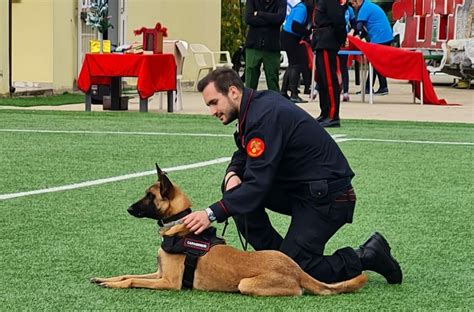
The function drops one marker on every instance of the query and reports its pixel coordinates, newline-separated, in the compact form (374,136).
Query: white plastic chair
(206,59)
(179,49)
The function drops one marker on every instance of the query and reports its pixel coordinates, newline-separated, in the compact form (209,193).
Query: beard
(232,114)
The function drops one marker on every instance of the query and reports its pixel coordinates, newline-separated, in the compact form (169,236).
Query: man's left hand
(196,221)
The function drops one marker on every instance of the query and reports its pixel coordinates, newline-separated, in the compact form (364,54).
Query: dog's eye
(150,196)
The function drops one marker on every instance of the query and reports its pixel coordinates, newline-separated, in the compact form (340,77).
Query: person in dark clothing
(262,45)
(329,34)
(285,161)
(295,28)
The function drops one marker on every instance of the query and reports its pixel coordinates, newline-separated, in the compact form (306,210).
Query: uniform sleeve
(275,18)
(250,18)
(259,171)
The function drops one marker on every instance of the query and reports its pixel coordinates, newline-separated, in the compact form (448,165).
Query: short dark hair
(223,79)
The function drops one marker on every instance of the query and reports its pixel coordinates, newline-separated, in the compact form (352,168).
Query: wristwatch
(210,215)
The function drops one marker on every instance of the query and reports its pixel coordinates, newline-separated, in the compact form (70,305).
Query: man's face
(356,3)
(224,107)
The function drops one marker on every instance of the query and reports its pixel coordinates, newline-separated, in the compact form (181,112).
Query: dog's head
(162,199)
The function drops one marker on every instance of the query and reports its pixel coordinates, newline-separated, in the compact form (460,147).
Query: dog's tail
(319,288)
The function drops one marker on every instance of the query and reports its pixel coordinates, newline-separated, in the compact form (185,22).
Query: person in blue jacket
(286,161)
(295,28)
(372,23)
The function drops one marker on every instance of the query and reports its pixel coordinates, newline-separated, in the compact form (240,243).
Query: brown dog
(223,268)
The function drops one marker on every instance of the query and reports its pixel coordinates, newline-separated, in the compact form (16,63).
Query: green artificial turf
(53,100)
(418,195)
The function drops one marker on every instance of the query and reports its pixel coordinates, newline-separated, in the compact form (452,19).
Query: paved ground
(398,105)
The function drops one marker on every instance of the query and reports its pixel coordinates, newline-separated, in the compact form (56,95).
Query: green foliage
(418,195)
(98,16)
(232,25)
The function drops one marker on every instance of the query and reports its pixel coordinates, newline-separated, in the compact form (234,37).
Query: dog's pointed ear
(166,187)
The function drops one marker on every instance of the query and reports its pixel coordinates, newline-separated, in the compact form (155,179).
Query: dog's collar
(174,219)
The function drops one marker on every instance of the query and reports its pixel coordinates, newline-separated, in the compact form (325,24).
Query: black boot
(375,256)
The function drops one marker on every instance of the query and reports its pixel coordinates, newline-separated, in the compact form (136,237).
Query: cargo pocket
(319,191)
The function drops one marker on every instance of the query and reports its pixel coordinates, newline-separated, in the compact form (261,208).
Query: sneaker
(345,97)
(297,100)
(367,91)
(375,256)
(381,91)
(330,123)
(320,118)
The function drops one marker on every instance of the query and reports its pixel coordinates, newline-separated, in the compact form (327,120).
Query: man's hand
(196,221)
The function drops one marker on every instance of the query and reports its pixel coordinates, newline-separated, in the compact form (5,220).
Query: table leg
(170,101)
(115,93)
(88,101)
(143,105)
(371,83)
(313,80)
(364,79)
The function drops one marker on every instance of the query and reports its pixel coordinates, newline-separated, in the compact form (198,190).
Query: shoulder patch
(255,147)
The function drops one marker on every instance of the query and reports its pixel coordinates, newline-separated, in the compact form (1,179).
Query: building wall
(190,20)
(32,40)
(45,31)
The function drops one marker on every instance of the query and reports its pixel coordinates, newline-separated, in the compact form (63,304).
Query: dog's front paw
(122,284)
(96,280)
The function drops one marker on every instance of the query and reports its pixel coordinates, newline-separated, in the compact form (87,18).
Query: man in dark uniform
(329,35)
(285,161)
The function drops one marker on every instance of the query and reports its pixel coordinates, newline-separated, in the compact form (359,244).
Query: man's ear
(166,187)
(234,93)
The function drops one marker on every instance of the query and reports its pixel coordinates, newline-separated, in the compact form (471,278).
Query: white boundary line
(113,179)
(118,132)
(404,141)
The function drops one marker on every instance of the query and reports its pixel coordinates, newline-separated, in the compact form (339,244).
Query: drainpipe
(10,83)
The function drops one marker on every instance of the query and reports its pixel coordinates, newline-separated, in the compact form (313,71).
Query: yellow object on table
(95,46)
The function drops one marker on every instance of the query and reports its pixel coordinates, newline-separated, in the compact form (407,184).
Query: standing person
(329,34)
(373,24)
(285,161)
(349,16)
(262,44)
(295,28)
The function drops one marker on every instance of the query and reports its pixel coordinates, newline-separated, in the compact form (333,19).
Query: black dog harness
(193,246)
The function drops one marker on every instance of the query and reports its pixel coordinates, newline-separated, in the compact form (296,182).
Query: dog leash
(242,239)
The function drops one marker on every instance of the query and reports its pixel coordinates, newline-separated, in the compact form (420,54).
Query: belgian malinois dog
(223,268)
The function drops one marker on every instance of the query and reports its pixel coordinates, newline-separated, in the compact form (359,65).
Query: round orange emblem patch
(255,147)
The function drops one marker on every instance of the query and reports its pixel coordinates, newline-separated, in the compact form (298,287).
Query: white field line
(118,132)
(404,141)
(113,179)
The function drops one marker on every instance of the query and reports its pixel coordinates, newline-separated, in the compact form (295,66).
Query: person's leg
(310,229)
(253,61)
(344,73)
(322,85)
(271,67)
(299,61)
(260,233)
(330,61)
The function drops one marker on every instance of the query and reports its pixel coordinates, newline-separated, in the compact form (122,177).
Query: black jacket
(264,29)
(299,156)
(329,25)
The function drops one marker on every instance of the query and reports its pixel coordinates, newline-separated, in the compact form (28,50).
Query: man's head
(356,3)
(222,91)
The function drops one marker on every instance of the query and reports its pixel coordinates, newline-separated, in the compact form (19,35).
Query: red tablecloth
(155,72)
(400,64)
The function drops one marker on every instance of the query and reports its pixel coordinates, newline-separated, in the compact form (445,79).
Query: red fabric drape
(155,72)
(399,64)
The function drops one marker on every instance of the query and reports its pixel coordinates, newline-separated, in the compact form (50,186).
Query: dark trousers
(328,83)
(312,225)
(344,73)
(297,62)
(382,80)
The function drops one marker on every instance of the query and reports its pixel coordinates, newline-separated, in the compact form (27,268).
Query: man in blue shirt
(373,24)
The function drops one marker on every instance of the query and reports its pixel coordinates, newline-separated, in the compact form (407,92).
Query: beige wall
(32,40)
(45,34)
(189,20)
(4,70)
